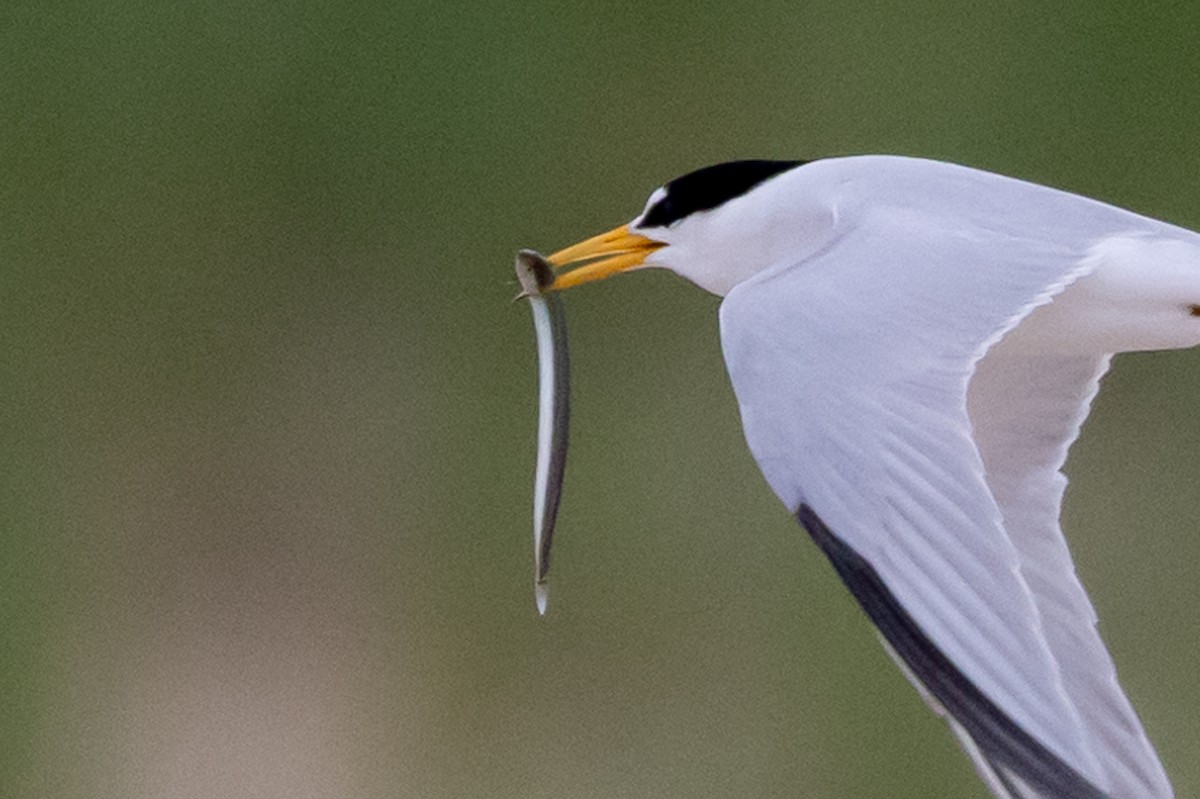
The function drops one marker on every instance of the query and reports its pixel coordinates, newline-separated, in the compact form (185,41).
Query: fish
(554,409)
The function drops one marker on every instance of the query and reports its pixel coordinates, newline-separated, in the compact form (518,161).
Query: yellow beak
(601,256)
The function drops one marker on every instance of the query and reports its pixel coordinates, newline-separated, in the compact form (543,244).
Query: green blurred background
(267,409)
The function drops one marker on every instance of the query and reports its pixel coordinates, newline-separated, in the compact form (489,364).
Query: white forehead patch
(655,196)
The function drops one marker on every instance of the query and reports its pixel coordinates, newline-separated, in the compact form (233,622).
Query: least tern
(914,346)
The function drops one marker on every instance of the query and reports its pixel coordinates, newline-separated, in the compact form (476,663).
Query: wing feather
(1027,410)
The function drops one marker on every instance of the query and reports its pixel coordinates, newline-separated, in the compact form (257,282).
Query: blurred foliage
(267,408)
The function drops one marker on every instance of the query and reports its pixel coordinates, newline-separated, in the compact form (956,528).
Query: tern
(914,346)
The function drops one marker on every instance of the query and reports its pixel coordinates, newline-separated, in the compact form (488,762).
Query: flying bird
(914,346)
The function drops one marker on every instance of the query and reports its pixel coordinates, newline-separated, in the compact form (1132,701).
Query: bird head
(716,226)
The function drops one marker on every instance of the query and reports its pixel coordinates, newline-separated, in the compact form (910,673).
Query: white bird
(914,346)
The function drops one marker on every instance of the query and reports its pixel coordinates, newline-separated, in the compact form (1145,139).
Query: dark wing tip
(1001,740)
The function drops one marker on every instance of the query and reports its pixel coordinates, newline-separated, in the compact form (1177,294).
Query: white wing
(852,370)
(1027,410)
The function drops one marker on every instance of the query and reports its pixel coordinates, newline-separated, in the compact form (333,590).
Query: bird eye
(661,214)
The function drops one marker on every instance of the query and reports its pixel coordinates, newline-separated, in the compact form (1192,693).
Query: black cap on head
(709,187)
